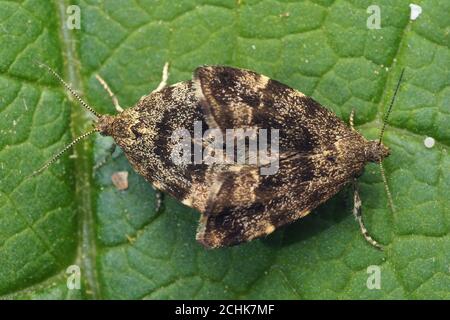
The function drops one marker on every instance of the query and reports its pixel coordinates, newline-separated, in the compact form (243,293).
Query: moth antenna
(386,116)
(60,153)
(69,88)
(386,188)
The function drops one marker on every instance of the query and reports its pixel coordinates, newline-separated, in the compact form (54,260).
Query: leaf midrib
(86,251)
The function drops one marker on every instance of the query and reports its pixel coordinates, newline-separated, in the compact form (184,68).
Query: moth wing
(239,98)
(235,98)
(239,225)
(238,213)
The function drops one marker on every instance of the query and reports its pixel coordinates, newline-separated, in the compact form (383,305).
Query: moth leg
(352,116)
(165,76)
(105,86)
(357,212)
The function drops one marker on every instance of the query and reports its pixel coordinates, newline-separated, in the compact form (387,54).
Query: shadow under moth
(318,154)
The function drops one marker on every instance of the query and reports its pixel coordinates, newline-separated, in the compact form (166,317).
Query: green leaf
(73,215)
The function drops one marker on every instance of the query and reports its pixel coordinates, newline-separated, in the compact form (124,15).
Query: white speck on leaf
(416,10)
(429,142)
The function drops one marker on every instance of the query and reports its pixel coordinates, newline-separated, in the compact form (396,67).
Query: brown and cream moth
(318,154)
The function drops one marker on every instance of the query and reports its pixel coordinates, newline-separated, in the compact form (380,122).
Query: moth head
(104,125)
(376,152)
(123,127)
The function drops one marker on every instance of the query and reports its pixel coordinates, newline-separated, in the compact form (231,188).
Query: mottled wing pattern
(243,204)
(239,212)
(318,153)
(238,98)
(145,131)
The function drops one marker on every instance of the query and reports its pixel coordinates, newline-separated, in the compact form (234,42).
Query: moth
(318,153)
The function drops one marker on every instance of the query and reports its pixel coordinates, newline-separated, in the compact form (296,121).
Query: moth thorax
(104,125)
(376,151)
